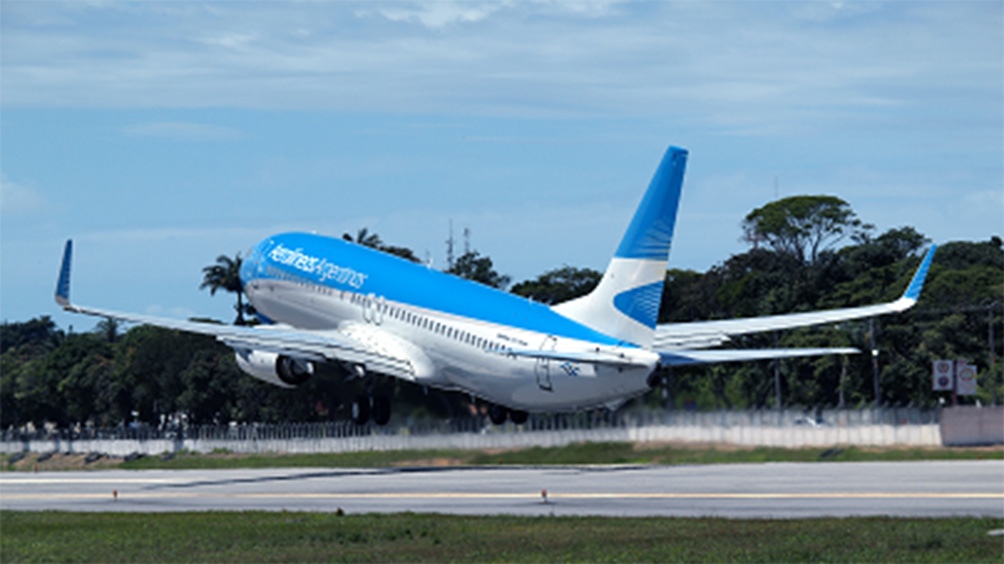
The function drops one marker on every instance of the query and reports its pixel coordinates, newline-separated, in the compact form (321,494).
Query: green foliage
(226,275)
(952,320)
(40,332)
(559,285)
(472,266)
(802,226)
(367,239)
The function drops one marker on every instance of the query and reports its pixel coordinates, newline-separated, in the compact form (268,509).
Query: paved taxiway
(783,490)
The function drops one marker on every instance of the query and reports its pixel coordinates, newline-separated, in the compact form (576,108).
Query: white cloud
(19,199)
(762,68)
(182,131)
(439,14)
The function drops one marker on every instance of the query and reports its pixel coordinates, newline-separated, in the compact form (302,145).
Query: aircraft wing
(306,345)
(705,334)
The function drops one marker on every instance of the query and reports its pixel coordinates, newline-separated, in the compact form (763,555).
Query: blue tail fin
(625,304)
(651,230)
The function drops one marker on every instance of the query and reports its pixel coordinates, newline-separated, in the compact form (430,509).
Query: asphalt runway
(782,490)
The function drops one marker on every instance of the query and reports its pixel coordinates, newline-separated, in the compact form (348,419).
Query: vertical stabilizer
(625,304)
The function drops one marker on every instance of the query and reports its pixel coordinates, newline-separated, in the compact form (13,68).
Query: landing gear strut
(498,415)
(361,410)
(365,407)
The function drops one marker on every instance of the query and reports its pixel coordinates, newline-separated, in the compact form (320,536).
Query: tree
(226,275)
(108,329)
(402,252)
(802,226)
(40,331)
(559,285)
(372,240)
(472,266)
(365,238)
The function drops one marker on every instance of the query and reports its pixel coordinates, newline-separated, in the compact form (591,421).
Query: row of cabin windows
(397,313)
(430,325)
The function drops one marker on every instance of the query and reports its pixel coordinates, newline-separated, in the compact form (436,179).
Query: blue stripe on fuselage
(347,266)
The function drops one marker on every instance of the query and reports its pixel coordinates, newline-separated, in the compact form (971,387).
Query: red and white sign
(965,378)
(943,376)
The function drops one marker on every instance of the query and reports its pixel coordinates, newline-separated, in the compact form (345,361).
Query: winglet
(63,286)
(917,283)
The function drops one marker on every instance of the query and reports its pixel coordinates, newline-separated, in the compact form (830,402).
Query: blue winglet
(917,283)
(63,286)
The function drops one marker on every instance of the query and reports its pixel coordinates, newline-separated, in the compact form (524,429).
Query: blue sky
(159,135)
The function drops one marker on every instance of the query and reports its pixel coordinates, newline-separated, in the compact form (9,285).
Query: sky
(160,135)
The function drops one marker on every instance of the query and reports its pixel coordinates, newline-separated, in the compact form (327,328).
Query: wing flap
(691,357)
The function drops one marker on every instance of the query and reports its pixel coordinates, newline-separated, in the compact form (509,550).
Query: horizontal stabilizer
(688,357)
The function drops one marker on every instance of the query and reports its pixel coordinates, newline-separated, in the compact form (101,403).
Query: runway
(781,490)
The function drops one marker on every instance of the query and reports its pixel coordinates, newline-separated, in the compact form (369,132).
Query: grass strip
(581,453)
(406,537)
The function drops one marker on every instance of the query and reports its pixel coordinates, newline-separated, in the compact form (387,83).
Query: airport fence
(905,426)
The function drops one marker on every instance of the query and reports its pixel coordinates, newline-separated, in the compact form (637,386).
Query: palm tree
(365,238)
(372,240)
(226,275)
(108,329)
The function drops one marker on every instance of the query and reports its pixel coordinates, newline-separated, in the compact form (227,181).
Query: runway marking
(18,480)
(123,496)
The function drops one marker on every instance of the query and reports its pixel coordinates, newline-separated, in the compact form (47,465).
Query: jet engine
(277,369)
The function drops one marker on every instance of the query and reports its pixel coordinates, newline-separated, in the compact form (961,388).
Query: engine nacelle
(277,369)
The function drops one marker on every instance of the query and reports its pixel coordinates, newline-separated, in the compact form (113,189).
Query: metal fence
(794,427)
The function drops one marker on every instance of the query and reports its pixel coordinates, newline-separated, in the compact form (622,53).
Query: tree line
(806,253)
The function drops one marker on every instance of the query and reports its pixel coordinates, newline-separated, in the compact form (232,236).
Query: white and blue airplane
(326,300)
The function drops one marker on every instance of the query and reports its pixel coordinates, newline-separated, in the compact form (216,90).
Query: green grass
(307,537)
(582,453)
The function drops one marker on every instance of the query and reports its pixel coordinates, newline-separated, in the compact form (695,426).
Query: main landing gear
(498,414)
(365,407)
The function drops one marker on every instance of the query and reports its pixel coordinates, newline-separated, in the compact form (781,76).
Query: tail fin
(625,304)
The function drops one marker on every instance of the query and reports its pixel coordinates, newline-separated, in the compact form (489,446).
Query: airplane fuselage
(453,333)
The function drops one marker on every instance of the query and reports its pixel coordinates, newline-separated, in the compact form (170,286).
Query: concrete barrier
(972,426)
(790,437)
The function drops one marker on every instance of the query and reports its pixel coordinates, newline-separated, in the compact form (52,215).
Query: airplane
(326,300)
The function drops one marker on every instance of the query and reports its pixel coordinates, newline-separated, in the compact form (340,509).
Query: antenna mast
(449,248)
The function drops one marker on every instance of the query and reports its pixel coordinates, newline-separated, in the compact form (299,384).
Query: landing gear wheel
(361,410)
(497,414)
(518,417)
(381,410)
